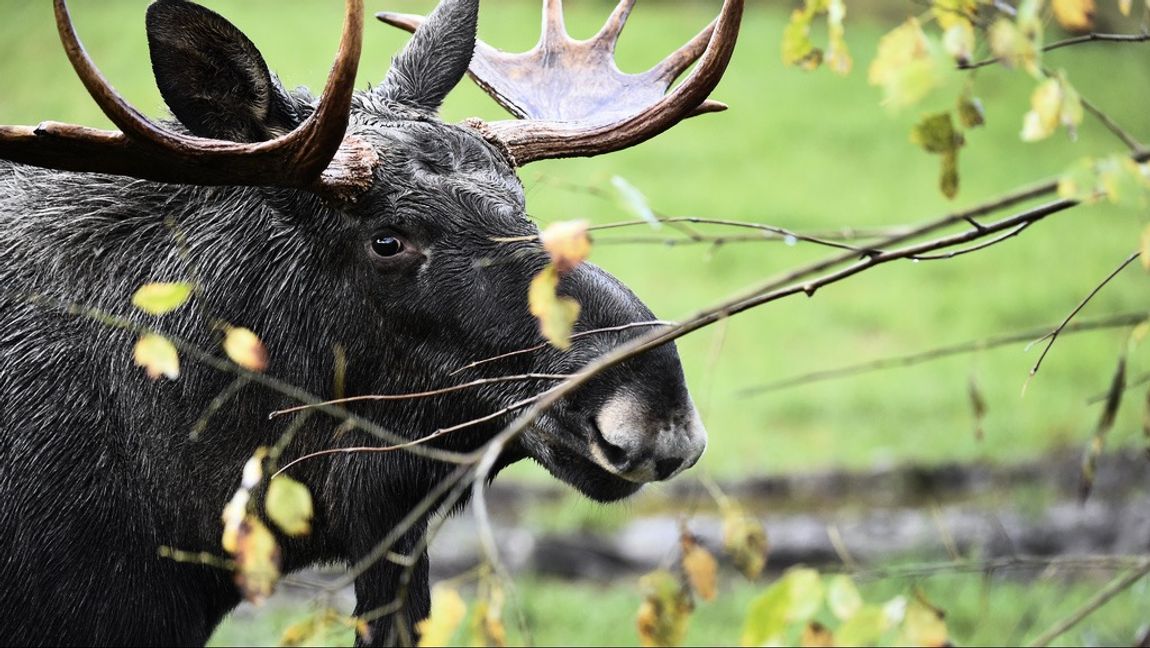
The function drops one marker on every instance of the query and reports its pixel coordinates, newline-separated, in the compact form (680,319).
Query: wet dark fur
(97,466)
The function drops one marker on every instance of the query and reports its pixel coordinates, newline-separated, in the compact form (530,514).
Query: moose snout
(641,446)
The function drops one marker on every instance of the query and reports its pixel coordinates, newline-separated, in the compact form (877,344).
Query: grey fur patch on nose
(641,446)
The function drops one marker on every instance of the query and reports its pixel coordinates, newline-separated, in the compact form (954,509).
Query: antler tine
(554,28)
(609,34)
(309,147)
(529,141)
(318,139)
(671,67)
(123,115)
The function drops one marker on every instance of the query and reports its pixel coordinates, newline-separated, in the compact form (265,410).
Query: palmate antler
(315,155)
(573,101)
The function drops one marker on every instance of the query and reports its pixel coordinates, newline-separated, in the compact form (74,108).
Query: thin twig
(1129,140)
(413,443)
(1112,589)
(1077,40)
(1053,335)
(919,570)
(425,394)
(544,345)
(1114,321)
(974,248)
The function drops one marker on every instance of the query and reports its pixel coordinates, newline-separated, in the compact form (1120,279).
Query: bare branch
(527,377)
(909,360)
(1112,589)
(1053,335)
(1077,40)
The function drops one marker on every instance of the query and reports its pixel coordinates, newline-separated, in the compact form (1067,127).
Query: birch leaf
(157,356)
(161,298)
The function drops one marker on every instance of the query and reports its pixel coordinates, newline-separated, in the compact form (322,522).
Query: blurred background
(893,462)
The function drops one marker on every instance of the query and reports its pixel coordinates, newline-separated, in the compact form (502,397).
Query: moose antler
(316,155)
(573,100)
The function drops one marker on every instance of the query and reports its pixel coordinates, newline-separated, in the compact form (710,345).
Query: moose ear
(436,57)
(212,77)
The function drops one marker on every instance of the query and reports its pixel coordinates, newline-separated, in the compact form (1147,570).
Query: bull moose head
(357,219)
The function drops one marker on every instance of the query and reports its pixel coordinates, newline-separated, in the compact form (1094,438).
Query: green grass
(979,612)
(804,151)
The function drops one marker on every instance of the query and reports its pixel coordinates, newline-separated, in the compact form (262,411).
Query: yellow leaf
(1144,248)
(245,349)
(1124,6)
(233,518)
(838,56)
(1075,15)
(157,356)
(666,608)
(958,41)
(1013,46)
(816,635)
(1045,108)
(567,242)
(487,620)
(843,597)
(161,298)
(289,505)
(904,67)
(556,315)
(745,541)
(951,12)
(923,624)
(700,567)
(302,633)
(257,560)
(447,612)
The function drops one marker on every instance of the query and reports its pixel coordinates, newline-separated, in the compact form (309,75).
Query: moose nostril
(615,454)
(664,468)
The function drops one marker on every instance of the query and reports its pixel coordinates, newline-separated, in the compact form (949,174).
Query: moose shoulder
(356,225)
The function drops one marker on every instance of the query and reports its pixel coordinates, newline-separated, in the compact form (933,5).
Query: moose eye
(386,246)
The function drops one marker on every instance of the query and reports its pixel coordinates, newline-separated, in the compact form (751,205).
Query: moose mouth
(556,446)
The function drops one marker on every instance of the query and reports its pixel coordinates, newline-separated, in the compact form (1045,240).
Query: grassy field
(802,151)
(994,612)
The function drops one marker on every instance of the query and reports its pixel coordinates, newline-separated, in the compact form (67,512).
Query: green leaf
(798,50)
(792,600)
(634,201)
(161,298)
(970,111)
(864,628)
(289,505)
(843,597)
(936,134)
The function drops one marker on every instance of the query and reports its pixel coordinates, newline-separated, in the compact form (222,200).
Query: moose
(357,221)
